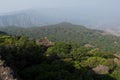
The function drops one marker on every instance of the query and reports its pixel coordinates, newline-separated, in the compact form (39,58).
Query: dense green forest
(67,32)
(61,61)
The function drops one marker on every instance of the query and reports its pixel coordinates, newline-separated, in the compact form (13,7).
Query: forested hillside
(68,32)
(2,32)
(60,61)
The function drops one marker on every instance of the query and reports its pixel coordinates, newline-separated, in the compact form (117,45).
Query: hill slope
(68,32)
(1,32)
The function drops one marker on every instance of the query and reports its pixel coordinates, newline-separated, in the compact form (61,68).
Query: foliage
(62,61)
(93,62)
(116,73)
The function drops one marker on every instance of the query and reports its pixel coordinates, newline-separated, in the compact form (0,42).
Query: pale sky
(98,5)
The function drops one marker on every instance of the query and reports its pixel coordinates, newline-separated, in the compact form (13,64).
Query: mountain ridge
(68,32)
(49,16)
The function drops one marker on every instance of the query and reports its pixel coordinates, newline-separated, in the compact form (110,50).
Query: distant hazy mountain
(1,32)
(24,19)
(35,17)
(40,17)
(27,18)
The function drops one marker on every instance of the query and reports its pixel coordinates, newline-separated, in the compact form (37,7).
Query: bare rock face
(5,72)
(117,56)
(117,59)
(89,45)
(44,41)
(101,69)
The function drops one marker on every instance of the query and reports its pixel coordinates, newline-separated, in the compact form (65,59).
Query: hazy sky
(98,5)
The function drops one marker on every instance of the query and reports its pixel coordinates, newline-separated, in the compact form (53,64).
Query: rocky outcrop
(117,55)
(89,45)
(101,69)
(117,59)
(5,72)
(44,41)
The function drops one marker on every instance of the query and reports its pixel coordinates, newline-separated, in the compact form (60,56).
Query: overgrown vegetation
(62,61)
